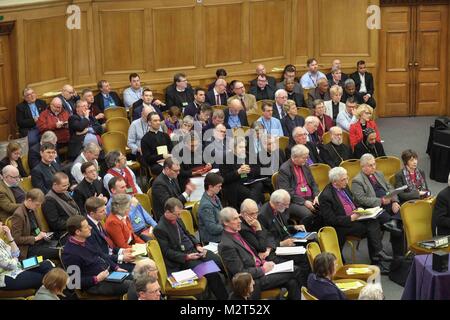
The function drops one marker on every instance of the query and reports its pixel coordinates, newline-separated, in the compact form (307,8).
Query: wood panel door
(413,49)
(7,106)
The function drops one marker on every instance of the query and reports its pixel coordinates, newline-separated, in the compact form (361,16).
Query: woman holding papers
(319,282)
(412,177)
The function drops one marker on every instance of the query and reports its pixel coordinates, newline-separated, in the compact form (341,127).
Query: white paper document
(213,247)
(184,275)
(287,266)
(369,213)
(287,251)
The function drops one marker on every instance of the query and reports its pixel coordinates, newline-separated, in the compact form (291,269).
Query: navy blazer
(24,117)
(211,99)
(137,110)
(100,103)
(193,108)
(98,240)
(242,117)
(324,289)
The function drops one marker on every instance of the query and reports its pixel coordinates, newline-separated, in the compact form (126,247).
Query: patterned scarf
(420,183)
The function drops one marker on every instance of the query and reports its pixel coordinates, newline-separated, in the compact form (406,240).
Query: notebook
(117,276)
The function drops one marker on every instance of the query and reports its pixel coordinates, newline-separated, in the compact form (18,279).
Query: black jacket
(289,125)
(137,110)
(332,209)
(267,94)
(407,194)
(271,81)
(99,102)
(333,155)
(175,98)
(368,79)
(149,143)
(99,241)
(24,117)
(211,98)
(298,98)
(56,216)
(313,153)
(275,224)
(361,148)
(5,162)
(85,190)
(42,175)
(78,124)
(441,213)
(162,190)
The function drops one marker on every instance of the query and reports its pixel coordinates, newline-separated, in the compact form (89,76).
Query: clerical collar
(180,90)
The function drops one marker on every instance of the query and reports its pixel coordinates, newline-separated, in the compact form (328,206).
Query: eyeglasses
(15,177)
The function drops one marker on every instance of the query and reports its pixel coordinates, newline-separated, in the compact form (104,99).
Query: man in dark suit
(42,174)
(218,95)
(106,98)
(235,115)
(281,97)
(299,135)
(166,186)
(27,112)
(262,90)
(96,213)
(195,106)
(441,212)
(321,92)
(364,83)
(147,100)
(335,152)
(181,250)
(238,256)
(90,186)
(68,98)
(270,159)
(336,206)
(179,93)
(261,70)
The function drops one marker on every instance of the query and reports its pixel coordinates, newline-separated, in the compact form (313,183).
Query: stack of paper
(184,275)
(139,249)
(176,284)
(213,247)
(358,271)
(287,266)
(345,286)
(287,251)
(369,213)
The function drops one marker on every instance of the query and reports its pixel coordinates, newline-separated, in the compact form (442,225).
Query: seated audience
(371,291)
(209,226)
(336,65)
(357,129)
(262,90)
(271,124)
(94,111)
(12,275)
(42,174)
(325,121)
(310,79)
(68,98)
(364,83)
(334,152)
(296,178)
(179,93)
(413,177)
(248,101)
(193,108)
(300,137)
(59,206)
(278,106)
(13,158)
(320,283)
(147,288)
(53,285)
(369,144)
(297,97)
(118,224)
(116,163)
(261,70)
(235,115)
(218,95)
(93,266)
(28,111)
(55,118)
(11,194)
(34,151)
(319,93)
(181,250)
(172,122)
(155,145)
(441,212)
(138,128)
(292,119)
(90,186)
(311,126)
(242,285)
(238,256)
(106,98)
(144,267)
(289,74)
(134,92)
(334,106)
(91,152)
(347,117)
(27,231)
(147,101)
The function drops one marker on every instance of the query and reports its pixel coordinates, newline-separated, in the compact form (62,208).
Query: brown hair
(35,194)
(12,147)
(74,223)
(324,264)
(55,280)
(93,204)
(408,155)
(171,204)
(241,284)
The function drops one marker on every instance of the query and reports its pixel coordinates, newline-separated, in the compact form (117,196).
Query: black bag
(399,269)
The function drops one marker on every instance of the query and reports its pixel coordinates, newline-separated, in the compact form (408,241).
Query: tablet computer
(117,276)
(30,263)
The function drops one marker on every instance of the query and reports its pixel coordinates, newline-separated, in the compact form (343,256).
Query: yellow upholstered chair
(195,214)
(186,217)
(242,131)
(252,117)
(25,164)
(25,184)
(189,292)
(150,197)
(392,180)
(352,166)
(306,295)
(144,201)
(312,251)
(388,165)
(260,103)
(283,143)
(218,107)
(16,294)
(320,174)
(303,112)
(115,112)
(41,220)
(118,124)
(114,140)
(275,180)
(326,138)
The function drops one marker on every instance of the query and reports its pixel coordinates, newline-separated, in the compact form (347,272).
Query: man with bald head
(11,194)
(137,130)
(68,98)
(27,112)
(235,115)
(336,65)
(261,70)
(321,92)
(248,101)
(55,118)
(218,95)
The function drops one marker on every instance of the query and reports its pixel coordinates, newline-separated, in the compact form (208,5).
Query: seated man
(179,93)
(116,163)
(155,144)
(296,178)
(96,214)
(91,152)
(147,288)
(319,93)
(311,125)
(333,79)
(92,263)
(28,111)
(166,186)
(238,256)
(59,206)
(195,106)
(281,98)
(34,151)
(334,152)
(68,98)
(441,212)
(88,96)
(310,79)
(218,95)
(11,194)
(371,189)
(248,101)
(261,70)
(217,147)
(55,118)
(26,232)
(337,203)
(262,90)
(90,186)
(325,121)
(271,124)
(134,92)
(350,92)
(181,250)
(141,221)
(106,98)
(42,174)
(235,114)
(137,130)
(300,137)
(347,117)
(203,118)
(144,267)
(364,83)
(147,101)
(118,224)
(292,119)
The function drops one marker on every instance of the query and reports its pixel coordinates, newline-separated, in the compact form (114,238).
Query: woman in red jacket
(364,115)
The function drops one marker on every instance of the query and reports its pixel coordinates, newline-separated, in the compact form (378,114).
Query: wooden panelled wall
(157,38)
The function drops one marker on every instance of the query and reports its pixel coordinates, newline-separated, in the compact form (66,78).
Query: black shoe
(384,256)
(392,226)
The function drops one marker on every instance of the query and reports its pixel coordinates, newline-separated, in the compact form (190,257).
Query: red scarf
(128,179)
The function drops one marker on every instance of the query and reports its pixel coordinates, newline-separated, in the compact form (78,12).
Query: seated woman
(325,121)
(172,122)
(242,285)
(238,176)
(369,144)
(319,282)
(185,127)
(209,226)
(411,176)
(53,284)
(363,114)
(292,119)
(12,275)
(13,157)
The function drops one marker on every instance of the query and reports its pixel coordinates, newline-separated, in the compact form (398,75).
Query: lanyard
(268,128)
(337,152)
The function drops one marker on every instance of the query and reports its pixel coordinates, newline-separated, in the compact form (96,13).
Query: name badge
(37,231)
(137,220)
(303,189)
(184,104)
(182,247)
(129,190)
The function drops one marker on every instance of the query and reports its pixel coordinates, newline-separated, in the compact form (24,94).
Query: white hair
(9,169)
(143,266)
(311,119)
(365,158)
(279,195)
(335,129)
(299,150)
(279,91)
(372,291)
(226,214)
(49,136)
(248,203)
(336,174)
(298,130)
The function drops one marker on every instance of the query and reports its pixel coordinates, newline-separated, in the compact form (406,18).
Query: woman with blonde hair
(358,129)
(53,284)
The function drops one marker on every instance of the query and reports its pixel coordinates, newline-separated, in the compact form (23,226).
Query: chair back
(144,201)
(154,252)
(25,184)
(218,107)
(303,112)
(312,251)
(41,220)
(416,216)
(320,174)
(260,103)
(307,296)
(352,166)
(283,143)
(326,138)
(252,117)
(115,112)
(118,124)
(329,243)
(275,180)
(388,165)
(150,197)
(195,213)
(114,140)
(240,132)
(346,138)
(186,217)
(392,180)
(26,167)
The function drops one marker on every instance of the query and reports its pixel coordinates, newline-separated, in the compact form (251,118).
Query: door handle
(410,64)
(416,64)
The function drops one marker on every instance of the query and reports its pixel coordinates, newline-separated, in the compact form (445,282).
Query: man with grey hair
(11,194)
(218,95)
(27,112)
(350,92)
(235,115)
(300,137)
(116,163)
(441,212)
(91,152)
(145,267)
(281,97)
(147,288)
(334,152)
(337,204)
(248,100)
(138,128)
(238,256)
(34,151)
(296,178)
(311,126)
(371,189)
(55,118)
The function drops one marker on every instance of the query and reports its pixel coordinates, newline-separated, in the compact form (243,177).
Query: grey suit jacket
(364,193)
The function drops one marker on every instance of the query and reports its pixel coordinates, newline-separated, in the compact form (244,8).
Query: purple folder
(205,268)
